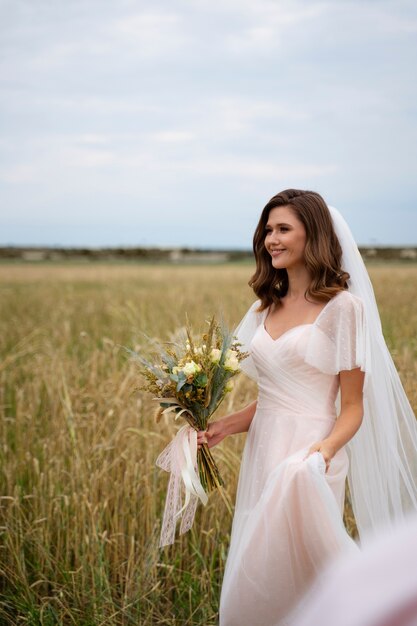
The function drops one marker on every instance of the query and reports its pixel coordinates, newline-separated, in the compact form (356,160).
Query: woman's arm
(350,417)
(238,422)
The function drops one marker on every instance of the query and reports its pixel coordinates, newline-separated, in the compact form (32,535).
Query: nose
(274,238)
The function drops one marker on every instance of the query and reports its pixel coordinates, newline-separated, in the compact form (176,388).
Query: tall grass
(81,499)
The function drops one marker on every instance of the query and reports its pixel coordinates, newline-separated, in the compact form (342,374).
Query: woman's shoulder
(346,299)
(344,308)
(251,318)
(255,306)
(337,337)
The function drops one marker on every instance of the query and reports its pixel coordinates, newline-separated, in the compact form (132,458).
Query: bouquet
(189,378)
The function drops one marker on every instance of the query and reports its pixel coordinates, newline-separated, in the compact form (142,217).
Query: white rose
(229,386)
(231,363)
(191,368)
(215,355)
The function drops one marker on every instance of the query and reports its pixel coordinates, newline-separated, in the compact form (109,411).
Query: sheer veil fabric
(382,473)
(383,454)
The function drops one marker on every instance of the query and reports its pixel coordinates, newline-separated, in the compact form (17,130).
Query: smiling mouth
(276,252)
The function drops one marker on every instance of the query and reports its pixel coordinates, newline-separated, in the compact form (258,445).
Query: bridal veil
(382,473)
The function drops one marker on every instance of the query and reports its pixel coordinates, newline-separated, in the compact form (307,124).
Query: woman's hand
(214,434)
(327,450)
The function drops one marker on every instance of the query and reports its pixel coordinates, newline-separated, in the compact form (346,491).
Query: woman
(313,332)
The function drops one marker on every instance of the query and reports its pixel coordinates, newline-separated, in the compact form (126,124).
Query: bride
(330,405)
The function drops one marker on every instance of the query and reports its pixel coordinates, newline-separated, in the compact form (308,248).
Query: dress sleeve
(244,332)
(337,340)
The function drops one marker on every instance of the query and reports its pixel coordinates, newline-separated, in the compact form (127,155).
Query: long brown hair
(322,254)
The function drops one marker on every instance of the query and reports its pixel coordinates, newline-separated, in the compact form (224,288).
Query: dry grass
(81,498)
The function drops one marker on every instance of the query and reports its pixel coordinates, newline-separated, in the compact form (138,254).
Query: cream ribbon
(180,458)
(189,475)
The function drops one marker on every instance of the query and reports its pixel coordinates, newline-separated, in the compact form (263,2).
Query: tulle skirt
(288,520)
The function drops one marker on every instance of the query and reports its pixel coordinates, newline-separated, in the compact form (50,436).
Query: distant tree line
(174,255)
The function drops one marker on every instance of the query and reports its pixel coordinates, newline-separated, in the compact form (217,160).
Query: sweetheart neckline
(286,331)
(299,325)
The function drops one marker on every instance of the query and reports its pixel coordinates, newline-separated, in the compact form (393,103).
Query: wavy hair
(322,254)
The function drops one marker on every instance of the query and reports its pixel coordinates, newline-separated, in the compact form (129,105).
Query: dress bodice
(283,374)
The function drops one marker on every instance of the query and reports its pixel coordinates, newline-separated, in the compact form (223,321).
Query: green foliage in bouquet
(190,378)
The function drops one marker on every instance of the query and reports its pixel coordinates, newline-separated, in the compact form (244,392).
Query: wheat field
(81,497)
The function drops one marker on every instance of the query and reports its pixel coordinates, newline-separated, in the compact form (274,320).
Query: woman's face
(285,238)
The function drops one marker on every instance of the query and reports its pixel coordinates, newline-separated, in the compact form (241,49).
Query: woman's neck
(299,280)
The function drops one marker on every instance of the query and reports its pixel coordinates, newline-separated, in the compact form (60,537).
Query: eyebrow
(279,224)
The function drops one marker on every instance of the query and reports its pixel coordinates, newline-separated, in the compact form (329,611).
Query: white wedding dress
(288,519)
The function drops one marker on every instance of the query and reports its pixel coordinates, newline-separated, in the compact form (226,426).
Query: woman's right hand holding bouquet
(238,422)
(215,433)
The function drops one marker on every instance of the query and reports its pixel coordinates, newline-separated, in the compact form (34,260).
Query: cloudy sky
(138,123)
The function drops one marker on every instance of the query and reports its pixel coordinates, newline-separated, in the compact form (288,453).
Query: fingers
(202,437)
(312,451)
(326,460)
(309,452)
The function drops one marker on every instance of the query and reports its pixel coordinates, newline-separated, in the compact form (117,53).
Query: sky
(131,123)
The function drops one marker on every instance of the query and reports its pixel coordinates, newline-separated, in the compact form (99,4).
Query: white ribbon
(180,458)
(189,475)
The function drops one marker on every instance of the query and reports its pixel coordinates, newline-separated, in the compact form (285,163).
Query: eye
(284,229)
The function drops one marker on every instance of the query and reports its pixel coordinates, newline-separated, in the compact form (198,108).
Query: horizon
(58,247)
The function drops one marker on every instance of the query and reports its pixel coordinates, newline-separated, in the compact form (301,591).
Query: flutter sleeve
(244,332)
(338,338)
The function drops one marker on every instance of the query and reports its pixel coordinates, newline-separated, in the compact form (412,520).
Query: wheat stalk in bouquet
(189,378)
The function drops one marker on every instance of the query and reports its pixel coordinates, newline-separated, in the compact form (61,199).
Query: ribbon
(180,458)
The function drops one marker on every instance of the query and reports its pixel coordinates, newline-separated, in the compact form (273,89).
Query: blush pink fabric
(376,587)
(288,522)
